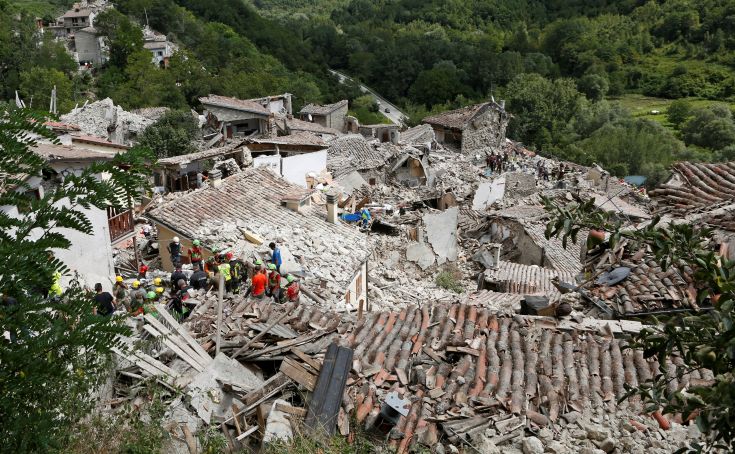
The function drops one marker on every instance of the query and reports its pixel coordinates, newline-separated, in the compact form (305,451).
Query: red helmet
(229,256)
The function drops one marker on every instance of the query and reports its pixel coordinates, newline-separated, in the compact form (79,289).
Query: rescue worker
(139,291)
(155,284)
(224,269)
(142,271)
(150,304)
(209,265)
(258,284)
(181,295)
(276,256)
(137,301)
(293,291)
(237,271)
(175,276)
(120,292)
(274,282)
(105,306)
(174,248)
(195,253)
(199,279)
(159,293)
(365,216)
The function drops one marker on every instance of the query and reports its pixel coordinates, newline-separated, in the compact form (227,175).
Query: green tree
(172,134)
(147,85)
(124,37)
(703,339)
(594,86)
(678,112)
(58,350)
(439,84)
(710,127)
(541,108)
(37,83)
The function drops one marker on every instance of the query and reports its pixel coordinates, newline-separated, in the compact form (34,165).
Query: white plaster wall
(358,293)
(295,168)
(273,162)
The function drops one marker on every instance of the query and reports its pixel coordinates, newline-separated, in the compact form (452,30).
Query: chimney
(332,209)
(215,177)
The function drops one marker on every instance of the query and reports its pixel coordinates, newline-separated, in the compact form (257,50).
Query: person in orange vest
(258,285)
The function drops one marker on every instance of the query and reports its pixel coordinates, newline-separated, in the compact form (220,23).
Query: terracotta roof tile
(352,152)
(69,153)
(701,185)
(526,279)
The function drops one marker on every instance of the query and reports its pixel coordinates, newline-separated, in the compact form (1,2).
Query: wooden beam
(298,373)
(260,335)
(183,332)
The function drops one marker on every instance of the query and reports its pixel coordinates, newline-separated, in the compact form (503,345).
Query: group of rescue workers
(265,280)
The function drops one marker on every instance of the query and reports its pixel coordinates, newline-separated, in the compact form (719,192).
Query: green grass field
(643,106)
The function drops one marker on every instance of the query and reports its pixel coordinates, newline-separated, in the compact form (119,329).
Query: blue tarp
(351,217)
(636,180)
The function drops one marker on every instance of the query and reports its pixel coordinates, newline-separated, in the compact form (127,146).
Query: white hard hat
(176,239)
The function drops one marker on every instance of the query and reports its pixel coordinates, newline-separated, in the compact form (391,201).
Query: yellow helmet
(136,284)
(157,281)
(118,279)
(159,290)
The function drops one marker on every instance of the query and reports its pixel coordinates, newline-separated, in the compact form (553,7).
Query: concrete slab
(441,230)
(277,427)
(488,193)
(420,253)
(207,397)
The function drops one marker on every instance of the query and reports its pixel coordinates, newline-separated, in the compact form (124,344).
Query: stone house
(73,20)
(329,115)
(354,153)
(385,133)
(235,117)
(90,46)
(480,127)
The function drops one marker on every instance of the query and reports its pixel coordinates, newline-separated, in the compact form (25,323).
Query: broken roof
(297,138)
(559,258)
(418,134)
(97,141)
(56,153)
(325,109)
(513,277)
(352,152)
(199,155)
(253,197)
(459,118)
(234,103)
(696,186)
(294,124)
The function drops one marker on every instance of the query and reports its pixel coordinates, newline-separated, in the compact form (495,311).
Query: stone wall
(485,132)
(336,119)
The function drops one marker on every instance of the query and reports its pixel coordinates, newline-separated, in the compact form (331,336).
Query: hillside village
(432,309)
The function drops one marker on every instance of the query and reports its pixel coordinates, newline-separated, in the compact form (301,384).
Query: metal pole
(219,310)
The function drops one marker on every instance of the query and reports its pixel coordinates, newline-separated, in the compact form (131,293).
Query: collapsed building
(436,322)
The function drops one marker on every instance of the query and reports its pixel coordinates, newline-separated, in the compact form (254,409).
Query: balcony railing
(120,223)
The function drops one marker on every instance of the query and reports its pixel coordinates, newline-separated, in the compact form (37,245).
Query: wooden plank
(291,410)
(184,333)
(235,411)
(272,386)
(298,373)
(168,334)
(402,376)
(156,363)
(287,345)
(468,350)
(181,353)
(147,368)
(311,362)
(247,433)
(259,336)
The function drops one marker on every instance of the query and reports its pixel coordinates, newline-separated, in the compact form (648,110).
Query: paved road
(394,115)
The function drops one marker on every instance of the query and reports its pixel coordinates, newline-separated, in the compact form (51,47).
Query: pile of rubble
(105,119)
